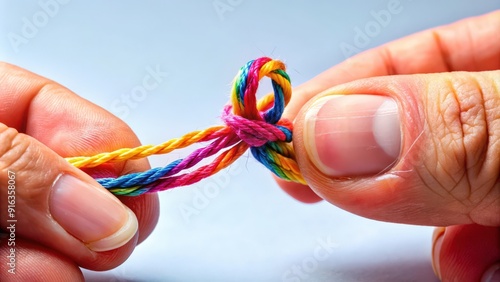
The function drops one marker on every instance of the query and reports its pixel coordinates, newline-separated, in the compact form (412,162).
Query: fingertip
(119,238)
(299,191)
(107,260)
(468,252)
(146,207)
(91,214)
(147,210)
(386,155)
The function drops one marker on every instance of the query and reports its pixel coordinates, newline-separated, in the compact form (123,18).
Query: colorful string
(248,124)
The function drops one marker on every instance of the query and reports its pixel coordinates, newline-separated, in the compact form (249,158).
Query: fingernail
(492,274)
(437,239)
(91,214)
(353,135)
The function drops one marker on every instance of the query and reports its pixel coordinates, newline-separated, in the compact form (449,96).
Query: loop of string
(248,124)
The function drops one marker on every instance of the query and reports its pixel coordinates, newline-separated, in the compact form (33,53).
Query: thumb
(419,149)
(48,201)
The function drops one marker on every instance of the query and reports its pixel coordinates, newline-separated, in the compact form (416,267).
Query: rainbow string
(248,124)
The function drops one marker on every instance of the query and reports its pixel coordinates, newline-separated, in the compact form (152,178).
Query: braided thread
(248,124)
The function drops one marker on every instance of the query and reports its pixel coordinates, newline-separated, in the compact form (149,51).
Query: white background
(246,229)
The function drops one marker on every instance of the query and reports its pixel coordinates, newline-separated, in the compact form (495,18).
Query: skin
(38,109)
(456,184)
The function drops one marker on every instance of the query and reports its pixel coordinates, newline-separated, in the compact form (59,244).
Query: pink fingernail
(353,135)
(91,214)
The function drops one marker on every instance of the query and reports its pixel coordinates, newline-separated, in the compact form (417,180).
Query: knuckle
(19,155)
(12,149)
(468,136)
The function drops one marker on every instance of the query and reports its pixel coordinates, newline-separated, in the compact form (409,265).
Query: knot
(256,133)
(257,123)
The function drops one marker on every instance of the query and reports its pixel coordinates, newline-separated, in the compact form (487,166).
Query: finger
(298,191)
(73,126)
(467,253)
(55,204)
(25,261)
(430,51)
(420,149)
(145,207)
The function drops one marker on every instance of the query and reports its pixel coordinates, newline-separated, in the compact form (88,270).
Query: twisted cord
(248,124)
(149,150)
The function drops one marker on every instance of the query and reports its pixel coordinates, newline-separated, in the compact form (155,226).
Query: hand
(407,139)
(64,218)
